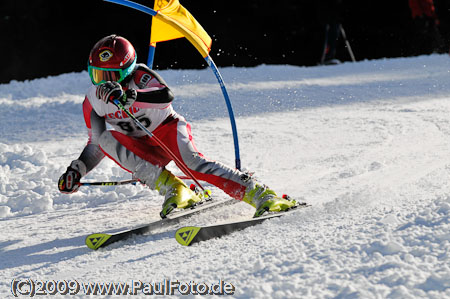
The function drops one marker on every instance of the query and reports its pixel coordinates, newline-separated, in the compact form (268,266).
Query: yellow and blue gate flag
(173,21)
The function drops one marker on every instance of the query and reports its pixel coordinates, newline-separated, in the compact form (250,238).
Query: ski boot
(177,194)
(266,200)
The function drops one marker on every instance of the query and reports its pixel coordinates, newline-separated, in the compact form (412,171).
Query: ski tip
(186,234)
(95,241)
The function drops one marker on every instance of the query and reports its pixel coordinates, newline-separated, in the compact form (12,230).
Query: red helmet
(111,59)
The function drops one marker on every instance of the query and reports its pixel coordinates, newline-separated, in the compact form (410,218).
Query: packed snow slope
(367,144)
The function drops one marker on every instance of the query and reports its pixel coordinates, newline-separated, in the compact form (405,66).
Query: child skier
(115,75)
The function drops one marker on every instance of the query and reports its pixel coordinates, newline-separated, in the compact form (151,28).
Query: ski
(189,235)
(99,240)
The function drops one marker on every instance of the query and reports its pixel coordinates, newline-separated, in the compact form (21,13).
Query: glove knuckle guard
(109,91)
(69,181)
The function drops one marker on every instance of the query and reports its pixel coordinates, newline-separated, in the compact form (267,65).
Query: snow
(366,143)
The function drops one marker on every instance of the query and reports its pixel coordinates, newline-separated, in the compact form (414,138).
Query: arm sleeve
(91,154)
(152,88)
(160,96)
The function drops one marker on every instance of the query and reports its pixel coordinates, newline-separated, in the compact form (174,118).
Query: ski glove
(129,97)
(69,182)
(109,91)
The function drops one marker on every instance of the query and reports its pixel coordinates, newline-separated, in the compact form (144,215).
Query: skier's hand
(129,97)
(69,182)
(109,91)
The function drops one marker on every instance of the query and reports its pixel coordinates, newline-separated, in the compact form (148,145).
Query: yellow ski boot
(265,200)
(177,193)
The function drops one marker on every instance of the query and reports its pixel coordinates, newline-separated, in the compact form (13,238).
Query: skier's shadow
(51,252)
(47,253)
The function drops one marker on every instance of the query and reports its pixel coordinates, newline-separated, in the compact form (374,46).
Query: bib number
(129,127)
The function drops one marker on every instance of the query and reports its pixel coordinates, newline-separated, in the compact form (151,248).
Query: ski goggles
(101,75)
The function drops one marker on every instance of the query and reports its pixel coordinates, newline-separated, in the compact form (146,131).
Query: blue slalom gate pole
(135,5)
(151,56)
(211,64)
(216,72)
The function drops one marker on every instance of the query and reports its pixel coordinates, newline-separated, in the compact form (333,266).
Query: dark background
(48,37)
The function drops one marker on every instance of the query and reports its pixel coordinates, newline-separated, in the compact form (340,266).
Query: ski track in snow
(367,144)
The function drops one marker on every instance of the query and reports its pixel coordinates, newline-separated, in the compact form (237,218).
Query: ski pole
(160,143)
(347,43)
(108,183)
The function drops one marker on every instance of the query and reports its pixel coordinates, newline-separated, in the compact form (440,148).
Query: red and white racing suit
(135,151)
